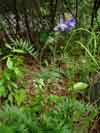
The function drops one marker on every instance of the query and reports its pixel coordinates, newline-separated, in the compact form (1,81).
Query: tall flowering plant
(65,25)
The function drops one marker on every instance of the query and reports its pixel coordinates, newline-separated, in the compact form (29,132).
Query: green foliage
(66,115)
(78,87)
(6,129)
(9,88)
(70,54)
(86,66)
(21,47)
(51,74)
(53,43)
(17,120)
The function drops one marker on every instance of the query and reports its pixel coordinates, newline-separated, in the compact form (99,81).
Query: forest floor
(58,89)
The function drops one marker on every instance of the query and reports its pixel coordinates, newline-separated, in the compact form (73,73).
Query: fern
(21,46)
(17,120)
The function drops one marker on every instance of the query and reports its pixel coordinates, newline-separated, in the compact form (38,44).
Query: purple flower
(61,27)
(65,25)
(71,23)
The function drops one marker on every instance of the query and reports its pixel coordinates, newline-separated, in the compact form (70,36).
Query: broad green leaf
(10,63)
(80,86)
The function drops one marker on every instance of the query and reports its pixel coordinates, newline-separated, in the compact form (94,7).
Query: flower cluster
(65,25)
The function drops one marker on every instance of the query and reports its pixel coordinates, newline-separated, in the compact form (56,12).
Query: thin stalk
(89,53)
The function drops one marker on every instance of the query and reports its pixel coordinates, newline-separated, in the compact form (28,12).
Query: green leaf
(80,86)
(7,75)
(19,51)
(5,129)
(54,98)
(18,72)
(1,82)
(44,36)
(10,63)
(14,85)
(8,46)
(20,96)
(10,98)
(2,91)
